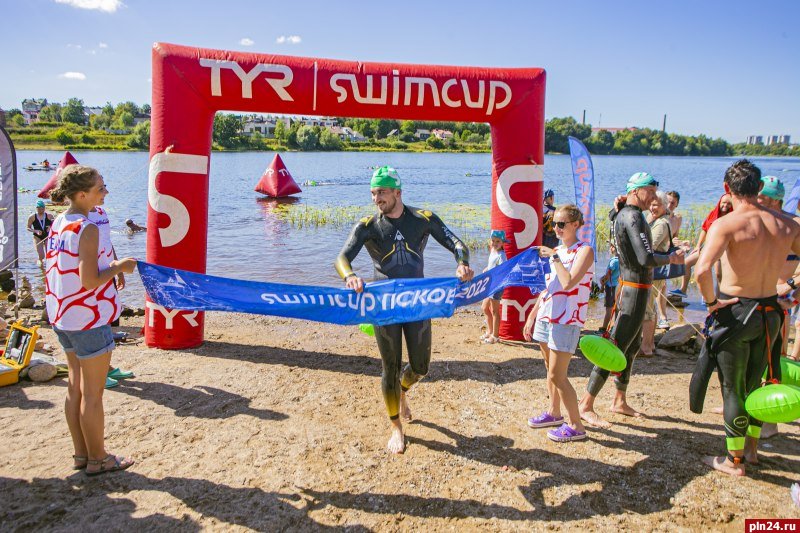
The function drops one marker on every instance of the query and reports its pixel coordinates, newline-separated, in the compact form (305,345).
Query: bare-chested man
(747,315)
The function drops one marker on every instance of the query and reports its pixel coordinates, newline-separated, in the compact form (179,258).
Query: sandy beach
(278,425)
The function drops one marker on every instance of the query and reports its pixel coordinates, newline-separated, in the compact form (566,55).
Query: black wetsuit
(396,246)
(631,235)
(741,337)
(40,230)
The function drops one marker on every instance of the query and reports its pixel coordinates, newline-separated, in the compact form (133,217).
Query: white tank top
(70,307)
(100,218)
(558,306)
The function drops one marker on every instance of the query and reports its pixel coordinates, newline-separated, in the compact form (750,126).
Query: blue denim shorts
(87,343)
(559,337)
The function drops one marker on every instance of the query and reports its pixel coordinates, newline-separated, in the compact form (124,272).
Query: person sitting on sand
(747,315)
(395,239)
(133,227)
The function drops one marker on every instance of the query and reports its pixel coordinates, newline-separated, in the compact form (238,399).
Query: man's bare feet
(593,419)
(723,465)
(622,408)
(397,442)
(717,410)
(405,411)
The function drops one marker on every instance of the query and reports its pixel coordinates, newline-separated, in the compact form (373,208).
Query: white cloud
(109,6)
(75,46)
(291,39)
(102,45)
(73,76)
(247,42)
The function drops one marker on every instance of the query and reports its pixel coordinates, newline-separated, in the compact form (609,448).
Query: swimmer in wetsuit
(395,239)
(747,316)
(631,237)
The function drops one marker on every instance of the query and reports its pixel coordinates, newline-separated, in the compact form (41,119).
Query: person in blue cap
(491,305)
(395,239)
(631,237)
(39,224)
(549,238)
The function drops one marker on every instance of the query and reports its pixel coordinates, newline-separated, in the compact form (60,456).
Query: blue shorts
(87,343)
(559,337)
(498,295)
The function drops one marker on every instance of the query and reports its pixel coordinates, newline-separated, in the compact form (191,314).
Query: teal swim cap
(639,180)
(386,177)
(773,188)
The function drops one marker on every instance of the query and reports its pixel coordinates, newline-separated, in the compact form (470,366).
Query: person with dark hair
(631,236)
(395,238)
(675,219)
(747,315)
(81,302)
(549,237)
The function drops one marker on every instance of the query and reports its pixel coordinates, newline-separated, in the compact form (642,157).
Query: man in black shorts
(631,236)
(395,239)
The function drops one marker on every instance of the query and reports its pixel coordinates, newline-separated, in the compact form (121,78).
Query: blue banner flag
(382,302)
(790,203)
(583,176)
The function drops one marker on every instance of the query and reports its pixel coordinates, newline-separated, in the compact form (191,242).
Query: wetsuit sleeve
(358,236)
(640,242)
(447,238)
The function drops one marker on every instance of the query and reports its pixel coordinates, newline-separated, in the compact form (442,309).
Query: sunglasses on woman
(560,225)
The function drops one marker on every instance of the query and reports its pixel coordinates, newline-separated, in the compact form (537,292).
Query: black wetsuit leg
(627,333)
(741,360)
(390,346)
(418,343)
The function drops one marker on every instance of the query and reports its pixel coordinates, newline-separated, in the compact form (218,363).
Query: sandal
(565,434)
(120,463)
(80,459)
(491,339)
(485,336)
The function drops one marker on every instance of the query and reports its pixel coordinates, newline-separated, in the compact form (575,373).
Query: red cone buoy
(68,159)
(277,181)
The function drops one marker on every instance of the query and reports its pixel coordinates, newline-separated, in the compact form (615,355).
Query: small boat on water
(38,167)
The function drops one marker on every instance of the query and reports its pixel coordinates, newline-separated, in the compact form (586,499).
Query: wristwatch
(711,304)
(790,282)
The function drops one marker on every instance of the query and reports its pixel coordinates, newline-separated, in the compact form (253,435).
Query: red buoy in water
(277,181)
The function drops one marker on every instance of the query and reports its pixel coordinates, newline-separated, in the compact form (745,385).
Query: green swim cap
(386,177)
(773,188)
(639,180)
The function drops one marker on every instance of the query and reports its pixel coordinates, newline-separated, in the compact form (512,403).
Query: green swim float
(777,404)
(369,329)
(603,353)
(790,372)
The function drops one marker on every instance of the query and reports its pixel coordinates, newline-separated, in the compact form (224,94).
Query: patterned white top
(70,306)
(558,306)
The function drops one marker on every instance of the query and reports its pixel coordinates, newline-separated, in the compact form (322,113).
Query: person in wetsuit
(39,224)
(747,316)
(395,239)
(631,236)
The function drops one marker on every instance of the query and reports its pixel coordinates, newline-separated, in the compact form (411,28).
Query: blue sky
(725,68)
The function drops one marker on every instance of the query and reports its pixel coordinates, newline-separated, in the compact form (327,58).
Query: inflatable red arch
(191,84)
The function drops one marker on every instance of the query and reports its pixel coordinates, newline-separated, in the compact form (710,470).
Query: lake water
(246,240)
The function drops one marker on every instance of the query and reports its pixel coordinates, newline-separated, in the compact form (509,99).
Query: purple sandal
(545,420)
(565,434)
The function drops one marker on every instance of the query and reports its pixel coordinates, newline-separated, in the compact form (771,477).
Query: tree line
(69,121)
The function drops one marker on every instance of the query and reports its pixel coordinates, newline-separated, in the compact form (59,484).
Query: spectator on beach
(556,321)
(82,301)
(675,218)
(133,227)
(549,238)
(491,305)
(99,217)
(39,224)
(723,207)
(609,281)
(660,230)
